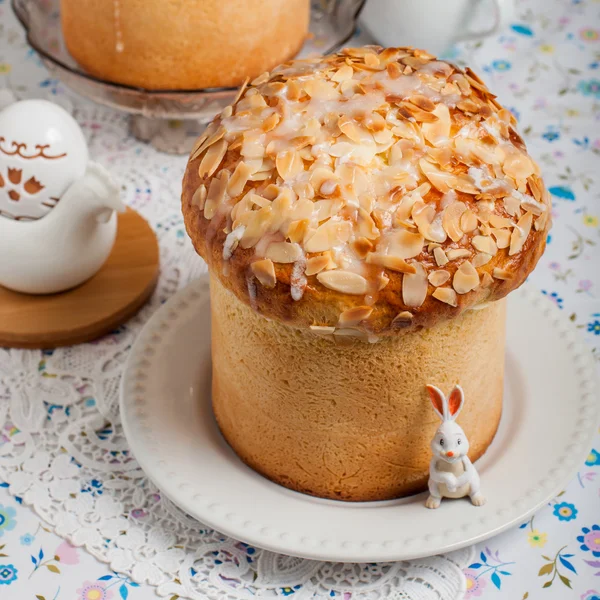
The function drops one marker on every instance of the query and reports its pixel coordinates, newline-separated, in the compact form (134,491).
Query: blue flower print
(8,574)
(551,135)
(7,519)
(554,297)
(565,511)
(562,191)
(590,540)
(590,88)
(27,539)
(593,458)
(522,29)
(594,327)
(288,591)
(501,65)
(93,487)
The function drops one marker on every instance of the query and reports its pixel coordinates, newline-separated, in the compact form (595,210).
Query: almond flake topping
(414,287)
(264,271)
(365,166)
(353,316)
(344,281)
(466,278)
(438,278)
(447,295)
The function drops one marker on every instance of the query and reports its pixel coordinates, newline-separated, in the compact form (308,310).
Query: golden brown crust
(175,44)
(318,305)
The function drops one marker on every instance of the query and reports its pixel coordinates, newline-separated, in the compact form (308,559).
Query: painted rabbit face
(42,152)
(450,441)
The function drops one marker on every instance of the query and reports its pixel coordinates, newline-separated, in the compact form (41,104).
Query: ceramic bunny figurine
(451,473)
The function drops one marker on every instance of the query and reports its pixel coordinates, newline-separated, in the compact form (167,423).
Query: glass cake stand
(170,120)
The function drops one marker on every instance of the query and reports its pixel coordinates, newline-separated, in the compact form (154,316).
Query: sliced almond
(518,166)
(520,233)
(423,102)
(327,235)
(438,132)
(406,244)
(468,221)
(401,320)
(423,215)
(212,159)
(451,220)
(512,205)
(371,60)
(484,243)
(394,263)
(239,179)
(465,279)
(501,273)
(353,316)
(350,128)
(322,329)
(541,221)
(480,259)
(455,253)
(216,193)
(436,232)
(366,225)
(283,252)
(500,222)
(394,70)
(486,280)
(382,281)
(440,180)
(447,295)
(271,122)
(289,164)
(256,226)
(440,257)
(438,278)
(316,264)
(199,197)
(297,230)
(344,73)
(264,271)
(257,200)
(211,138)
(345,282)
(530,205)
(253,145)
(414,287)
(502,237)
(362,246)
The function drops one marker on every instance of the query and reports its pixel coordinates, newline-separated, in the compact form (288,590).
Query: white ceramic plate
(550,415)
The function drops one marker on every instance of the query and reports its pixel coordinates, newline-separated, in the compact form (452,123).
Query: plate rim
(542,490)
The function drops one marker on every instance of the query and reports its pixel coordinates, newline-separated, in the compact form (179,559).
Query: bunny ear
(438,401)
(455,401)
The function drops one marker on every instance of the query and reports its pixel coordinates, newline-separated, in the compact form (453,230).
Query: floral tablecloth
(546,68)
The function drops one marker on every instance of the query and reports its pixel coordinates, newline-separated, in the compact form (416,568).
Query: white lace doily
(63,452)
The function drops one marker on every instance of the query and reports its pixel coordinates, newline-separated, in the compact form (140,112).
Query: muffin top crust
(368,192)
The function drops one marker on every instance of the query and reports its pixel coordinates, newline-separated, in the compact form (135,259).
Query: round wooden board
(111,297)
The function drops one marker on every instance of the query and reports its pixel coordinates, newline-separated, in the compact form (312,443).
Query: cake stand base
(173,136)
(108,299)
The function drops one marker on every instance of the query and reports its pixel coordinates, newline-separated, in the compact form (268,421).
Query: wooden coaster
(97,306)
